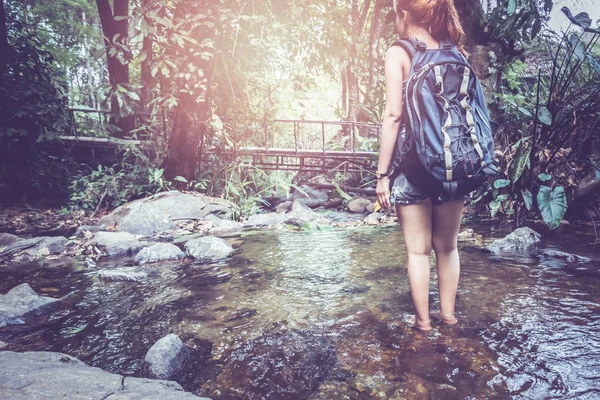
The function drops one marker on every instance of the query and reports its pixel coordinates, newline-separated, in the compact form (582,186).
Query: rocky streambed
(154,302)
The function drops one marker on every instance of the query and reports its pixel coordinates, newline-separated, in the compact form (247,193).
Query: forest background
(185,74)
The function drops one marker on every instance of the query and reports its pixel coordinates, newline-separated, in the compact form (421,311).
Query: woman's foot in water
(446,319)
(419,324)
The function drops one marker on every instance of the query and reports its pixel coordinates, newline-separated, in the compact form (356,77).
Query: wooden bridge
(296,145)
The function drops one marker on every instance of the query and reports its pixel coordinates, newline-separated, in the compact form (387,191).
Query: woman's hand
(383,192)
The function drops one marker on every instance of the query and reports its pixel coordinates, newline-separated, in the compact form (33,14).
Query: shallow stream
(321,315)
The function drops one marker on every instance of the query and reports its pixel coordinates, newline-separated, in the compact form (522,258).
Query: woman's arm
(395,57)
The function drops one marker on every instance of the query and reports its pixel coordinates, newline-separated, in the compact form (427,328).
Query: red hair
(440,16)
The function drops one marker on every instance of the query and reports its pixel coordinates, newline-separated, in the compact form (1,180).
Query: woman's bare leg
(415,221)
(446,225)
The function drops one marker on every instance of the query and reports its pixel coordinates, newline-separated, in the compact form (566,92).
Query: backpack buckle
(420,45)
(439,87)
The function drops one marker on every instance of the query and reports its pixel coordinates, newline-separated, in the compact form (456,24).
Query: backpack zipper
(424,71)
(480,114)
(410,84)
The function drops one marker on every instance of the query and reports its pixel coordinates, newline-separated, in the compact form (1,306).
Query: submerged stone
(19,301)
(279,364)
(166,358)
(209,248)
(117,243)
(520,239)
(123,274)
(158,252)
(564,256)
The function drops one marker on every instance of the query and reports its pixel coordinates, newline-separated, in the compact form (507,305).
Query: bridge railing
(309,135)
(272,144)
(297,134)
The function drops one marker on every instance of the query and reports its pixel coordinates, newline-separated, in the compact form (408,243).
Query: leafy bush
(110,187)
(554,130)
(33,111)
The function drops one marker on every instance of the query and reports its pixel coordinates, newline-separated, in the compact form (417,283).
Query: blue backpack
(447,124)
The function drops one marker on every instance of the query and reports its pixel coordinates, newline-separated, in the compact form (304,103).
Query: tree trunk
(118,72)
(147,81)
(3,31)
(193,107)
(375,33)
(471,17)
(4,46)
(351,77)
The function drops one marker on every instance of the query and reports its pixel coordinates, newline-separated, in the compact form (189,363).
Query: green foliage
(521,160)
(33,112)
(553,128)
(112,186)
(69,30)
(552,204)
(527,198)
(245,186)
(512,23)
(32,95)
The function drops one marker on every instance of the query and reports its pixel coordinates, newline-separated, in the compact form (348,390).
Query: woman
(425,226)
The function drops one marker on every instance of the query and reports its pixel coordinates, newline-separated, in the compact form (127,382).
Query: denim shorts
(404,191)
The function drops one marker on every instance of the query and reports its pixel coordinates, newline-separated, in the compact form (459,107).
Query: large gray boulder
(35,247)
(302,213)
(520,239)
(19,301)
(208,248)
(117,243)
(48,245)
(47,375)
(159,213)
(310,196)
(359,205)
(166,358)
(284,207)
(7,239)
(158,252)
(222,226)
(268,219)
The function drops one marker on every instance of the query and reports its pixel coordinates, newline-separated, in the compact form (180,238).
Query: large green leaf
(552,205)
(494,207)
(512,7)
(545,116)
(500,183)
(521,160)
(577,46)
(582,19)
(527,198)
(544,177)
(595,64)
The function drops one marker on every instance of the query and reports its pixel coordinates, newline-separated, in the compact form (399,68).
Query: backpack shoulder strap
(446,44)
(408,44)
